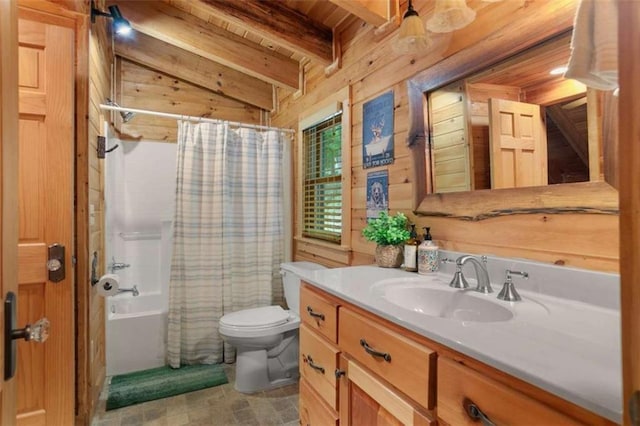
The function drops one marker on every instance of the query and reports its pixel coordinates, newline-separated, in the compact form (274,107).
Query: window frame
(316,185)
(338,252)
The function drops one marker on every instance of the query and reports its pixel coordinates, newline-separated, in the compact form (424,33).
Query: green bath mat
(162,382)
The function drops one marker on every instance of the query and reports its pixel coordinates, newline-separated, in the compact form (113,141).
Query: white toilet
(266,338)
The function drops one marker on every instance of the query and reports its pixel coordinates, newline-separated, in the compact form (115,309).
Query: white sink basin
(432,297)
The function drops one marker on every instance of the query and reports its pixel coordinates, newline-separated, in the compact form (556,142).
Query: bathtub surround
(228,234)
(139,205)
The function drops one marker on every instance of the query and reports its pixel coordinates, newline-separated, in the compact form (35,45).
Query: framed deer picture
(377,131)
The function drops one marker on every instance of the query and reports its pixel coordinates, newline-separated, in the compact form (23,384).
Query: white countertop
(566,347)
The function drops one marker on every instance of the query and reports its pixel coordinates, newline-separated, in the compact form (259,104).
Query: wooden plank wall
(370,68)
(100,63)
(144,88)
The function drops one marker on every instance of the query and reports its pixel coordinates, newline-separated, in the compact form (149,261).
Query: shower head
(126,115)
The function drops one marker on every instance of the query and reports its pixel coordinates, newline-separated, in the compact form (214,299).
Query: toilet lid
(264,317)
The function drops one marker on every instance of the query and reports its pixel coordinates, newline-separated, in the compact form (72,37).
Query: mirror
(519,123)
(464,148)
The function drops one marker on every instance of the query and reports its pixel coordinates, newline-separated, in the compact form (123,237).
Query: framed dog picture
(377,193)
(377,131)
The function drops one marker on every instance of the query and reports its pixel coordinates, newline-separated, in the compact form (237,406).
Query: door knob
(38,332)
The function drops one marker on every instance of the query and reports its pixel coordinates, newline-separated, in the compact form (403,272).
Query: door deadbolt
(55,263)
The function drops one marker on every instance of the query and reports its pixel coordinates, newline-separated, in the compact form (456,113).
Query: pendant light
(450,15)
(412,36)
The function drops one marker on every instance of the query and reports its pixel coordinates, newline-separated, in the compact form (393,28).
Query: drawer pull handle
(475,413)
(384,355)
(339,373)
(315,314)
(309,361)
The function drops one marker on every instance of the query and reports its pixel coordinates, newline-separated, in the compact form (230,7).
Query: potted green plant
(389,233)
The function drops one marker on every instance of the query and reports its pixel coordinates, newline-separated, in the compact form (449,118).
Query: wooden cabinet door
(45,373)
(365,400)
(518,141)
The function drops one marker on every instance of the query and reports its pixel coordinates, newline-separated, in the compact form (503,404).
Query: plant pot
(389,256)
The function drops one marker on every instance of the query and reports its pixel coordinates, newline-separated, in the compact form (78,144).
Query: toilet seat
(256,318)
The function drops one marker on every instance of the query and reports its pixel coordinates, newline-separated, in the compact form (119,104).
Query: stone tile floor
(218,406)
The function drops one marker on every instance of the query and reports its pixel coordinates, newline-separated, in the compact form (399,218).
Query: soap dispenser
(427,254)
(411,251)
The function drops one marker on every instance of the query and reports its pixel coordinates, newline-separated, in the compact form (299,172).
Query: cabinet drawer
(318,363)
(501,404)
(313,411)
(409,366)
(319,313)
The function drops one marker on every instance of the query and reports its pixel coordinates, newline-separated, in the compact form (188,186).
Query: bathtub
(136,332)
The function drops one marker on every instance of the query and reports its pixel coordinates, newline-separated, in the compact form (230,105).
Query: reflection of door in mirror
(518,144)
(471,147)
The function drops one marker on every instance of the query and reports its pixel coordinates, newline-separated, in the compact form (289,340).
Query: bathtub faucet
(116,266)
(133,290)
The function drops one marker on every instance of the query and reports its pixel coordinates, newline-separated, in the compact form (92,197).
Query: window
(322,180)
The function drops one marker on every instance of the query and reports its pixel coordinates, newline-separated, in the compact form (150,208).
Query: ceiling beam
(187,66)
(374,12)
(274,21)
(183,30)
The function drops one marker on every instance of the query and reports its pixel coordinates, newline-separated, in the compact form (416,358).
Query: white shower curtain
(228,235)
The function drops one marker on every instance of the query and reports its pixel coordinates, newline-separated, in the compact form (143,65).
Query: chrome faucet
(133,290)
(482,275)
(116,266)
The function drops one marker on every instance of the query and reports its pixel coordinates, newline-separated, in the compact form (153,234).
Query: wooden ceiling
(241,48)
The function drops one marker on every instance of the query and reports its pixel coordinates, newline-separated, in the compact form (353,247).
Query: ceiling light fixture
(412,36)
(450,15)
(120,25)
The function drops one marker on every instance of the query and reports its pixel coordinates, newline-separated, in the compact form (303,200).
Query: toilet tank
(291,274)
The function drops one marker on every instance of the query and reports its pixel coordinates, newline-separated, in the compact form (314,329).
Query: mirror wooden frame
(584,197)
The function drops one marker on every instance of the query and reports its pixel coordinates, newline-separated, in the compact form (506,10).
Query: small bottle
(427,254)
(411,251)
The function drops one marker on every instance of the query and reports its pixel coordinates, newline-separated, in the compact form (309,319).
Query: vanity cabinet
(359,369)
(344,373)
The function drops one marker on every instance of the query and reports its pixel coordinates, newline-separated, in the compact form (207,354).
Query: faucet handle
(523,274)
(447,260)
(508,292)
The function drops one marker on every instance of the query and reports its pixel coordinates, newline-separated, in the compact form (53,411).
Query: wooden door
(518,141)
(8,177)
(45,374)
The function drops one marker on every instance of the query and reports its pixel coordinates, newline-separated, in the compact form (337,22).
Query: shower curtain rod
(191,118)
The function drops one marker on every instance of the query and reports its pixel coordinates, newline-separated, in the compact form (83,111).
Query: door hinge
(74,260)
